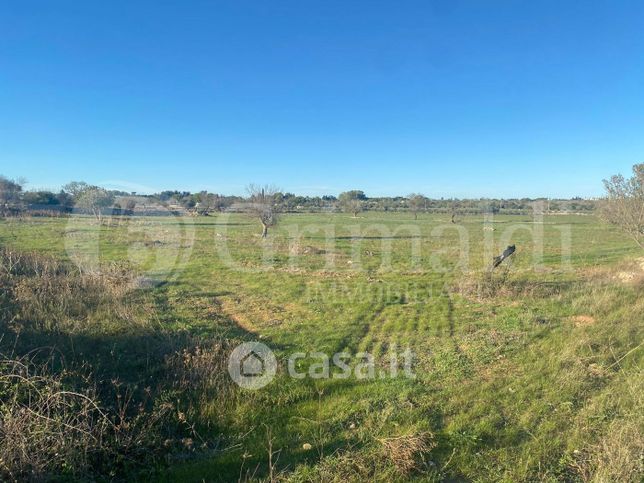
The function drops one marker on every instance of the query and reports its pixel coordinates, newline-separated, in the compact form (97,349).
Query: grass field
(531,373)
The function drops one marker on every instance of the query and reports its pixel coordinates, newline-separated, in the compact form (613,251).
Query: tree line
(81,196)
(622,205)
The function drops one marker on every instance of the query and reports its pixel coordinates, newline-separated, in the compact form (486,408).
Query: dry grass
(59,417)
(482,286)
(201,366)
(52,424)
(582,320)
(619,456)
(44,426)
(41,293)
(406,452)
(396,458)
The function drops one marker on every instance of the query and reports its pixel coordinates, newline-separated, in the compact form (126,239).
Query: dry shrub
(582,320)
(44,427)
(620,454)
(406,452)
(56,422)
(394,459)
(16,263)
(199,372)
(42,293)
(83,420)
(482,286)
(347,466)
(477,286)
(202,367)
(53,422)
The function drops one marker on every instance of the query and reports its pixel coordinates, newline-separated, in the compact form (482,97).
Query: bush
(76,348)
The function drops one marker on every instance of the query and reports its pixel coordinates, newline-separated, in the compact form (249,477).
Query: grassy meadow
(530,373)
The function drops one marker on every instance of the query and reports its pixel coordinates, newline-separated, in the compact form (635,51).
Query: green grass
(509,386)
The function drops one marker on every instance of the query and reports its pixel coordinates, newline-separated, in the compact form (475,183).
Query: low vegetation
(117,331)
(624,203)
(80,197)
(530,372)
(90,385)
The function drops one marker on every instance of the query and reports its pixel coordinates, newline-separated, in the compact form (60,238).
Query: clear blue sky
(447,98)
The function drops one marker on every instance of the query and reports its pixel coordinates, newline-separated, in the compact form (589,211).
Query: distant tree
(65,200)
(10,192)
(218,202)
(75,188)
(623,205)
(417,202)
(454,210)
(168,195)
(126,205)
(352,201)
(188,202)
(90,198)
(130,204)
(262,204)
(40,198)
(355,194)
(204,203)
(492,206)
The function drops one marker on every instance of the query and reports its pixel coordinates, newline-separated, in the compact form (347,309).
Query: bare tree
(351,201)
(95,199)
(75,188)
(454,210)
(90,198)
(623,205)
(262,205)
(205,203)
(417,202)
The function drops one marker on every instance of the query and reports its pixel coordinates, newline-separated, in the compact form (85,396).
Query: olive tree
(205,203)
(351,201)
(417,202)
(262,205)
(623,205)
(75,188)
(453,210)
(90,198)
(95,199)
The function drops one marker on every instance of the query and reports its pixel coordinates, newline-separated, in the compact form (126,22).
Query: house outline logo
(252,365)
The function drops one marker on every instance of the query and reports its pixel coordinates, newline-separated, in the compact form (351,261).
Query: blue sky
(447,98)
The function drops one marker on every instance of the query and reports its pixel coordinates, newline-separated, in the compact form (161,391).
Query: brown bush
(45,426)
(487,285)
(48,427)
(41,293)
(406,452)
(69,411)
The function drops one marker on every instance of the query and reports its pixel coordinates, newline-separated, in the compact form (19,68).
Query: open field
(533,373)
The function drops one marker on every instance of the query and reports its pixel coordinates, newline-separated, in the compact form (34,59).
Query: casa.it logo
(252,365)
